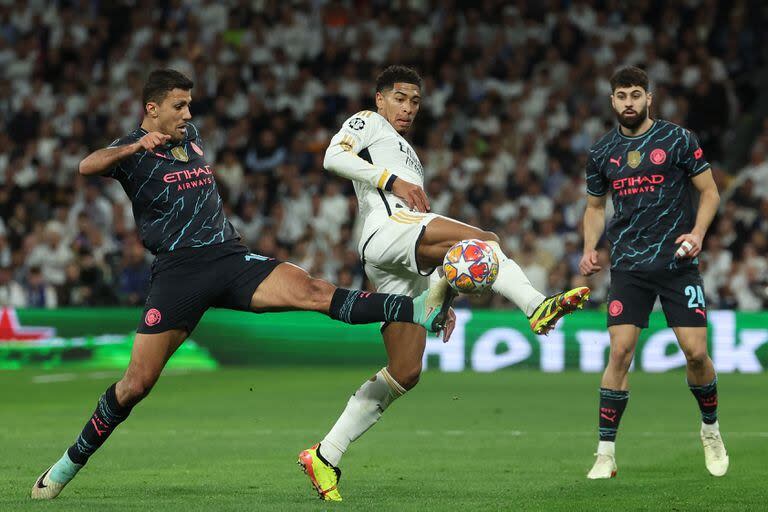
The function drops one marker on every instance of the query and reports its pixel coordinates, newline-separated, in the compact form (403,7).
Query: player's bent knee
(696,358)
(317,294)
(406,377)
(135,388)
(490,236)
(621,359)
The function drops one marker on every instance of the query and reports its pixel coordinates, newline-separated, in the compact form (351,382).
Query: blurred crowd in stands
(514,95)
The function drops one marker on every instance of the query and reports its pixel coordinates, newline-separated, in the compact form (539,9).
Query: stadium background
(515,93)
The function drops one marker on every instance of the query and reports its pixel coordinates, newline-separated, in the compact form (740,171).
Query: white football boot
(46,488)
(715,456)
(605,464)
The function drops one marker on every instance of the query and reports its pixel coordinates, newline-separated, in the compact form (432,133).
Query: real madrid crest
(634,158)
(179,153)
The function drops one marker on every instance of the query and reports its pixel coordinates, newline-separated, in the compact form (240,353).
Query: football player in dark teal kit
(652,169)
(200,263)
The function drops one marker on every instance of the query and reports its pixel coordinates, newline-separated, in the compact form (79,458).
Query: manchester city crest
(634,158)
(179,153)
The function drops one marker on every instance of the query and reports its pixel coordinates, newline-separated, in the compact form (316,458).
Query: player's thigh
(405,345)
(396,243)
(630,299)
(444,232)
(693,343)
(682,298)
(149,355)
(623,341)
(288,288)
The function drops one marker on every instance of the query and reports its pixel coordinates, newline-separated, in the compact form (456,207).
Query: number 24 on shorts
(695,297)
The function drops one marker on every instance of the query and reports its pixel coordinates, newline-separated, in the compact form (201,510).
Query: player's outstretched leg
(512,283)
(289,287)
(148,357)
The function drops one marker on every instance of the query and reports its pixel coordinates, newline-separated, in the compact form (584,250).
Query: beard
(630,123)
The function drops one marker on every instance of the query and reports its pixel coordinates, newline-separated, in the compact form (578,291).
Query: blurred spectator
(134,275)
(11,293)
(52,255)
(39,293)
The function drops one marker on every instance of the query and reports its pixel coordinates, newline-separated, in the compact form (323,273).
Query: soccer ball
(471,266)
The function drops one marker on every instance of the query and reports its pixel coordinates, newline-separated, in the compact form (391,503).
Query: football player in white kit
(402,243)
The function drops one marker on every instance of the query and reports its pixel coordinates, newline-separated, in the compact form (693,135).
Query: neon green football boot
(324,477)
(555,307)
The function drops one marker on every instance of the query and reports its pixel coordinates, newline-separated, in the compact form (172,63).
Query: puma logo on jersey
(616,161)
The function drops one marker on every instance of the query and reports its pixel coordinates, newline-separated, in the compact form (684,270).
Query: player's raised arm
(342,158)
(102,160)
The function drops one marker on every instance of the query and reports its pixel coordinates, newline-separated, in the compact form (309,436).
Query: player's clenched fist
(151,140)
(588,264)
(413,195)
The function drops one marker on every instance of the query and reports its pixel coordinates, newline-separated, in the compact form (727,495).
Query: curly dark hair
(394,74)
(628,77)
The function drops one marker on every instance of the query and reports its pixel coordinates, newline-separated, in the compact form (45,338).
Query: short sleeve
(597,183)
(126,165)
(359,131)
(691,156)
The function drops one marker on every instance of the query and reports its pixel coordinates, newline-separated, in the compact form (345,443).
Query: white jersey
(385,154)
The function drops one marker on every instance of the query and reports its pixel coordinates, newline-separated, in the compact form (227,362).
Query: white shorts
(389,254)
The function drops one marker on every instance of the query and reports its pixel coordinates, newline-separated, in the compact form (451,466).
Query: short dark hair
(394,74)
(162,81)
(628,77)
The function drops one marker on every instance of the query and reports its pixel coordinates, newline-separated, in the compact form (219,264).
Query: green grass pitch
(513,440)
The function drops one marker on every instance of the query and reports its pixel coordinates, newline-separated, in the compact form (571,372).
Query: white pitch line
(113,374)
(56,377)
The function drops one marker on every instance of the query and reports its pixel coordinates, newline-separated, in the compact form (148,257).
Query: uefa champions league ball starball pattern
(471,266)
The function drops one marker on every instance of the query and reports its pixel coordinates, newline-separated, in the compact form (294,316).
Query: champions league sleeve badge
(356,123)
(179,153)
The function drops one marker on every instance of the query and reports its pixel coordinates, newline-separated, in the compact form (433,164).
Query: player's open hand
(690,245)
(588,264)
(151,140)
(450,324)
(413,195)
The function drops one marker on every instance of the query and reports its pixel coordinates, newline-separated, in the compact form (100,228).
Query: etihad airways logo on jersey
(637,184)
(190,178)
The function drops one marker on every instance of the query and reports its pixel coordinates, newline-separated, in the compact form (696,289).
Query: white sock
(362,412)
(606,448)
(714,427)
(513,284)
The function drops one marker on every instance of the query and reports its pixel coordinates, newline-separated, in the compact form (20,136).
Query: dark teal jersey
(649,177)
(173,191)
